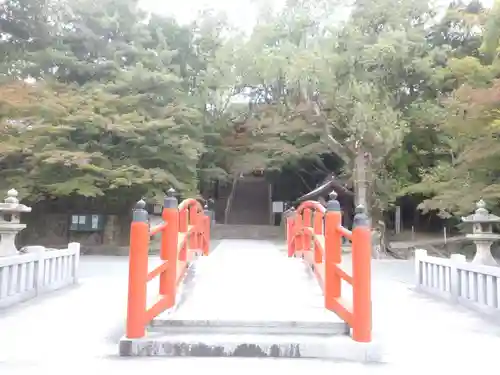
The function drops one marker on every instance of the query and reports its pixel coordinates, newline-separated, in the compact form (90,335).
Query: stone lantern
(482,234)
(10,222)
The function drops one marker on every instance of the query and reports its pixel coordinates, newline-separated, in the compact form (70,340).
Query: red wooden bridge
(223,316)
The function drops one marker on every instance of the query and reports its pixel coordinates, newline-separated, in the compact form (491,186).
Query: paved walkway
(226,285)
(77,330)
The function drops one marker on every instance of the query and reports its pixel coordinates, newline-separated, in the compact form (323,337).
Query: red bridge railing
(185,232)
(315,233)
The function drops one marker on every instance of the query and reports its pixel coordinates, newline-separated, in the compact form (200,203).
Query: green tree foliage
(114,110)
(471,171)
(349,88)
(26,27)
(465,168)
(125,103)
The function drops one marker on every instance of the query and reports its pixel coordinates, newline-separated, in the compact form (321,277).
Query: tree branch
(340,150)
(336,147)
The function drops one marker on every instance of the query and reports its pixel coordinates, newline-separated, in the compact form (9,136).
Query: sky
(241,13)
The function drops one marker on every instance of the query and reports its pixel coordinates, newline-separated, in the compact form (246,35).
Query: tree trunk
(229,201)
(360,181)
(363,189)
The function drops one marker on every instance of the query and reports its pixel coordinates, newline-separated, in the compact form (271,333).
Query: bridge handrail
(312,224)
(312,205)
(185,231)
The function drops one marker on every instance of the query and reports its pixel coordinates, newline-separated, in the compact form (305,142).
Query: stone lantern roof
(11,204)
(481,215)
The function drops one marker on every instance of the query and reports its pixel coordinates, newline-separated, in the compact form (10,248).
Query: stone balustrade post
(455,275)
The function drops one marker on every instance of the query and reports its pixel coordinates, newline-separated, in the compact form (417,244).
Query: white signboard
(95,221)
(278,207)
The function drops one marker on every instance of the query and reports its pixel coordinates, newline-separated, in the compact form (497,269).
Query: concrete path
(77,331)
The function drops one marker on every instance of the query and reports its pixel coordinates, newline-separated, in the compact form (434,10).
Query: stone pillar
(455,275)
(10,223)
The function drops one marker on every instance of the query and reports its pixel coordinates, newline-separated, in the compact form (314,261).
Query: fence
(185,232)
(315,233)
(474,286)
(25,276)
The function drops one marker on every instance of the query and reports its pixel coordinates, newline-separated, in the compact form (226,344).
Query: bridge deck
(251,281)
(77,330)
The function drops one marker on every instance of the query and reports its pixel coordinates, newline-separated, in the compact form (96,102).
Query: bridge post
(333,250)
(207,223)
(318,230)
(361,274)
(291,220)
(169,243)
(194,216)
(300,238)
(306,237)
(183,219)
(138,272)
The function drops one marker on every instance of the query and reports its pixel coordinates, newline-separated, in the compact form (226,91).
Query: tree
(111,111)
(460,29)
(466,168)
(347,87)
(26,27)
(471,172)
(124,103)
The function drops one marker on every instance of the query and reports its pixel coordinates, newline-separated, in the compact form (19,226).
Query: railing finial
(140,205)
(360,209)
(333,195)
(333,204)
(207,212)
(170,200)
(360,219)
(139,212)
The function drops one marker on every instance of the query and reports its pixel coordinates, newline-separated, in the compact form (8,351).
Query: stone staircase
(248,216)
(250,202)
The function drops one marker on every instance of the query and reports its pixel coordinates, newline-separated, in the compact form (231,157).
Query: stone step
(222,231)
(335,347)
(251,232)
(240,327)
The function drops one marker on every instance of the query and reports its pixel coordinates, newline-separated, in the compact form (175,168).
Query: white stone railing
(472,285)
(28,275)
